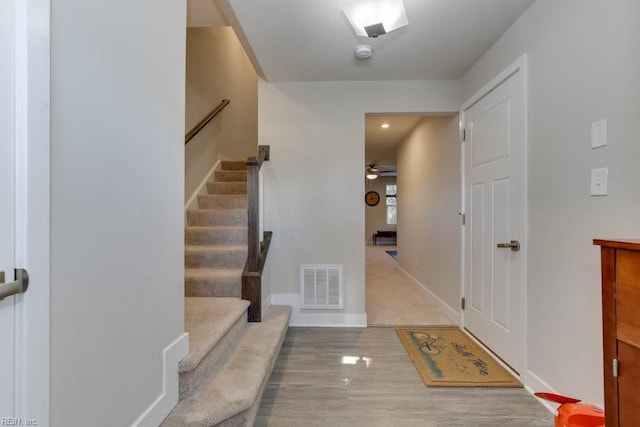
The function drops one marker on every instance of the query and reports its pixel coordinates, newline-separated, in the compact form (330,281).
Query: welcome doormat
(393,254)
(446,357)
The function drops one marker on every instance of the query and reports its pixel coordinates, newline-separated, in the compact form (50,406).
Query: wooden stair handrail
(257,251)
(202,123)
(263,155)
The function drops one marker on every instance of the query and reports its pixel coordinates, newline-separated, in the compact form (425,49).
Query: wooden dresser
(621,330)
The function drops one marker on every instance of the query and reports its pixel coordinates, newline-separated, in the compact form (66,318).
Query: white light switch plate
(599,133)
(599,181)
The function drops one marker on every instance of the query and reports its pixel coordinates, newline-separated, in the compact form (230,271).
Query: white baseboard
(307,319)
(330,320)
(533,384)
(160,408)
(446,308)
(201,189)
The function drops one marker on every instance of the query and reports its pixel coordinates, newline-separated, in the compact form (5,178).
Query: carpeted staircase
(216,235)
(229,362)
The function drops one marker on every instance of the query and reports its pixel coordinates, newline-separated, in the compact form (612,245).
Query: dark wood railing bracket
(257,250)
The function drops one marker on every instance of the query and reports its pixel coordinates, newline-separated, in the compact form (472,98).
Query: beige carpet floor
(394,299)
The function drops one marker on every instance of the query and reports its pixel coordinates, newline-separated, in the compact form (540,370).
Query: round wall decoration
(372,198)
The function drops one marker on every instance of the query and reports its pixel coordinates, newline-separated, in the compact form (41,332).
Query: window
(392,205)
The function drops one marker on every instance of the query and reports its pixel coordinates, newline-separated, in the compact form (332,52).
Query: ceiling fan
(375,170)
(372,172)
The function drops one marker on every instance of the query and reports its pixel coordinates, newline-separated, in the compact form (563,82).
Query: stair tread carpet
(207,320)
(215,227)
(233,165)
(228,188)
(222,175)
(231,257)
(225,210)
(222,201)
(217,217)
(213,248)
(212,272)
(213,282)
(215,235)
(223,196)
(232,396)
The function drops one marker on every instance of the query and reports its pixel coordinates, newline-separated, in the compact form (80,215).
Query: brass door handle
(18,287)
(514,245)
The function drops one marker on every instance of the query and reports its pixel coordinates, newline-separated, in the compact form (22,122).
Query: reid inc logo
(18,421)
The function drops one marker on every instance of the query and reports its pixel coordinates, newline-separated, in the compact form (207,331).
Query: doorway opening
(398,149)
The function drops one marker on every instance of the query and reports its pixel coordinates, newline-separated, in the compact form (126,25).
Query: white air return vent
(321,286)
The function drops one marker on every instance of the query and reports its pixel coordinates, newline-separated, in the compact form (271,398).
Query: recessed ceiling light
(384,125)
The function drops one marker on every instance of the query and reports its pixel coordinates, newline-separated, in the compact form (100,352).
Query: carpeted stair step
(231,257)
(197,235)
(233,165)
(217,217)
(227,187)
(213,325)
(222,201)
(231,395)
(222,175)
(212,282)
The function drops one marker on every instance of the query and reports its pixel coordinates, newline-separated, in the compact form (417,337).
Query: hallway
(394,299)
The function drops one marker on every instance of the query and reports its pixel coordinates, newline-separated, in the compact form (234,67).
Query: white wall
(315,187)
(584,64)
(429,244)
(376,216)
(117,166)
(218,68)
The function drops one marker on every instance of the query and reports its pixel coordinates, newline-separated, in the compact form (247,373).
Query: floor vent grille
(321,286)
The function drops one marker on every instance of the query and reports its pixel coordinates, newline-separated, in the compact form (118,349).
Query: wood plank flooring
(364,377)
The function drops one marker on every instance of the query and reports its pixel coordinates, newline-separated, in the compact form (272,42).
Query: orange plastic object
(574,414)
(557,398)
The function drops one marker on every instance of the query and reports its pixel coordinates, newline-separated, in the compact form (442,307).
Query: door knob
(18,287)
(514,245)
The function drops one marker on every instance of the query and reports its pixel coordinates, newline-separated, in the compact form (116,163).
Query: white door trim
(32,108)
(520,65)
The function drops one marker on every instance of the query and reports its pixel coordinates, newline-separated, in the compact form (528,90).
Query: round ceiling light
(385,126)
(363,51)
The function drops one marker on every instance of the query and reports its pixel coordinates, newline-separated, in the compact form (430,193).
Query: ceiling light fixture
(385,126)
(373,18)
(372,172)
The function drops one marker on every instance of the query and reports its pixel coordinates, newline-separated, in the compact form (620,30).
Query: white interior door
(495,203)
(7,209)
(25,209)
